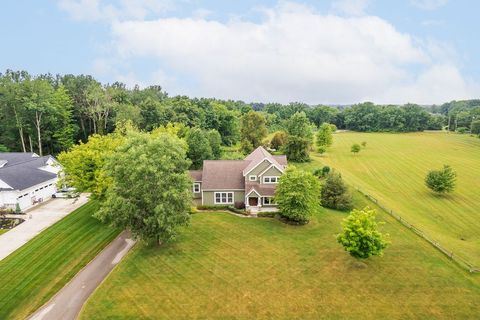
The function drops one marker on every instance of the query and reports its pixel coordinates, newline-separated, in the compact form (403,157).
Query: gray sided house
(251,181)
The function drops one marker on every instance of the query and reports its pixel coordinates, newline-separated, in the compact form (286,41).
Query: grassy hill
(226,267)
(31,275)
(392,168)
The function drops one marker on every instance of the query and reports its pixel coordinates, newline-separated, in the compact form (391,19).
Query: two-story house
(251,181)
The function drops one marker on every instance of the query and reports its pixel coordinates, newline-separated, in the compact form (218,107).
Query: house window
(196,187)
(268,200)
(223,197)
(270,179)
(252,178)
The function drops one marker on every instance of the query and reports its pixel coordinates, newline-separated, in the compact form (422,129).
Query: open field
(392,168)
(34,273)
(226,267)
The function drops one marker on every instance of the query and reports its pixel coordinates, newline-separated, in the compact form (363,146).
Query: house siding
(258,169)
(272,172)
(209,196)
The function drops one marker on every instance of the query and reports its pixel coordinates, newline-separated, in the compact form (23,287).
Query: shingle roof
(257,156)
(196,175)
(22,170)
(282,159)
(223,174)
(265,190)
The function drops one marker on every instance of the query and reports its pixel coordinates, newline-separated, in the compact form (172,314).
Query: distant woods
(49,114)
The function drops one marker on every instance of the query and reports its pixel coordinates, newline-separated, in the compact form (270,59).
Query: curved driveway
(68,302)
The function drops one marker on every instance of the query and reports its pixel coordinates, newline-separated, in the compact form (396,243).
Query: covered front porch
(255,202)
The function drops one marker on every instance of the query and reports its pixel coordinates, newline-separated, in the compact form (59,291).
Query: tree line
(49,114)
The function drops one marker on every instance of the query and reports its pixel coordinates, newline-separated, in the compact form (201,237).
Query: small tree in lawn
(335,193)
(360,236)
(324,135)
(441,181)
(297,195)
(150,192)
(364,144)
(322,149)
(355,148)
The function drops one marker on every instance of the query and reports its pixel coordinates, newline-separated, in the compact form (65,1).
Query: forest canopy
(48,114)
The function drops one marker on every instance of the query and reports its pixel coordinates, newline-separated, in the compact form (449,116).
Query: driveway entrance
(37,219)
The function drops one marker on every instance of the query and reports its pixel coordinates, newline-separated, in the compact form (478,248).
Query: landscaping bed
(9,223)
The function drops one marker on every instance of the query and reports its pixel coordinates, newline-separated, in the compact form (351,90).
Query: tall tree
(324,135)
(299,137)
(215,141)
(253,129)
(83,165)
(335,194)
(199,148)
(150,194)
(297,195)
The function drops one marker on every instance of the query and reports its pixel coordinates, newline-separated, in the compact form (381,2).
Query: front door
(253,202)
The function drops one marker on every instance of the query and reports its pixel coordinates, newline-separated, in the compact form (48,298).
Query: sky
(312,51)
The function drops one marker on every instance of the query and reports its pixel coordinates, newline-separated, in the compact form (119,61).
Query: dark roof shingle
(223,174)
(22,170)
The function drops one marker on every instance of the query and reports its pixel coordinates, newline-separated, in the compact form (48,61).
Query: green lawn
(2,231)
(393,167)
(34,273)
(226,267)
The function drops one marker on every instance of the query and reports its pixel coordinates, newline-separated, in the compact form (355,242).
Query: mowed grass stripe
(225,267)
(34,273)
(392,168)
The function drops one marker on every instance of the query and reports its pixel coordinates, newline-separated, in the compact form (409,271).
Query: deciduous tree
(360,236)
(441,181)
(297,195)
(335,193)
(324,135)
(299,138)
(199,148)
(355,148)
(150,193)
(253,130)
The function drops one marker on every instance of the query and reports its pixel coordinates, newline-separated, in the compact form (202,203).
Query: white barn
(26,179)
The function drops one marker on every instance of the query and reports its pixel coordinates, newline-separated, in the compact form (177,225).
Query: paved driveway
(68,302)
(42,217)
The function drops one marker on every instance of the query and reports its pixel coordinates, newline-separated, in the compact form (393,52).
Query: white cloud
(108,10)
(428,4)
(351,7)
(293,54)
(438,84)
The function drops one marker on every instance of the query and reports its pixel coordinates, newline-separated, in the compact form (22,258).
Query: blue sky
(343,51)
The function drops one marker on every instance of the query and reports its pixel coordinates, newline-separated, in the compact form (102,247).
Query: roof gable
(258,156)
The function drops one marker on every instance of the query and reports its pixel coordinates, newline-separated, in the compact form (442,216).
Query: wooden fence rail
(458,259)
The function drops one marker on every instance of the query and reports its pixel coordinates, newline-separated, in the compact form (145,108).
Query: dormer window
(252,178)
